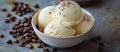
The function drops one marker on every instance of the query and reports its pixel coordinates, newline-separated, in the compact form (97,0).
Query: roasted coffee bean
(98,37)
(24,41)
(40,46)
(34,40)
(54,49)
(101,44)
(11,32)
(30,46)
(3,9)
(1,36)
(46,50)
(14,35)
(15,3)
(100,49)
(36,6)
(13,18)
(14,8)
(7,21)
(21,25)
(8,15)
(26,24)
(39,41)
(9,42)
(26,37)
(21,45)
(16,41)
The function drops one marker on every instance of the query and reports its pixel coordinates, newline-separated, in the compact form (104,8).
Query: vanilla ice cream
(56,30)
(85,24)
(68,13)
(67,19)
(45,16)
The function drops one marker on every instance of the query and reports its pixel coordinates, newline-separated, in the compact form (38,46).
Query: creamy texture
(45,16)
(67,19)
(85,24)
(56,30)
(68,13)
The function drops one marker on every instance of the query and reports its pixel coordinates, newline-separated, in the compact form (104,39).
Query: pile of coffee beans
(24,34)
(23,31)
(21,8)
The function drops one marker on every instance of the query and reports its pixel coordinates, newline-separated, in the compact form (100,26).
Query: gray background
(107,24)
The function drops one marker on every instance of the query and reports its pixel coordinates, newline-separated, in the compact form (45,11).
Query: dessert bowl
(60,41)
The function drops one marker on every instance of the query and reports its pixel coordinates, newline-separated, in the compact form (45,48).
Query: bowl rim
(78,35)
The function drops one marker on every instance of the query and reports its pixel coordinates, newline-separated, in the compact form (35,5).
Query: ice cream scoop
(56,30)
(86,23)
(45,16)
(68,13)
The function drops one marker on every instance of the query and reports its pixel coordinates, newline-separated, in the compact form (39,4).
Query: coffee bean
(36,6)
(26,34)
(1,36)
(39,41)
(7,21)
(21,45)
(15,3)
(8,15)
(46,50)
(9,42)
(30,46)
(101,44)
(14,8)
(3,9)
(26,24)
(34,40)
(40,46)
(14,35)
(13,18)
(11,32)
(54,49)
(17,41)
(98,37)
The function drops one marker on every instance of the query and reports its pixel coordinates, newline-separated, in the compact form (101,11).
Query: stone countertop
(107,25)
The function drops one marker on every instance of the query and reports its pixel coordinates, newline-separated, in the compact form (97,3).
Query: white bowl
(59,42)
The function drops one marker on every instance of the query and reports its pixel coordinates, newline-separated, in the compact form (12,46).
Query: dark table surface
(107,25)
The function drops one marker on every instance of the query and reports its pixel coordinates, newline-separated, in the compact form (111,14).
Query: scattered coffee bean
(101,44)
(98,37)
(36,6)
(54,49)
(46,50)
(30,46)
(17,41)
(7,21)
(8,15)
(3,9)
(15,3)
(40,46)
(1,36)
(9,42)
(34,40)
(21,45)
(100,49)
(21,8)
(13,18)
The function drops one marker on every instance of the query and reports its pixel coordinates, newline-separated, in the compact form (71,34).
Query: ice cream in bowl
(63,25)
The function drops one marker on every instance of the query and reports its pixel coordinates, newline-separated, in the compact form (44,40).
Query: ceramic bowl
(59,42)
